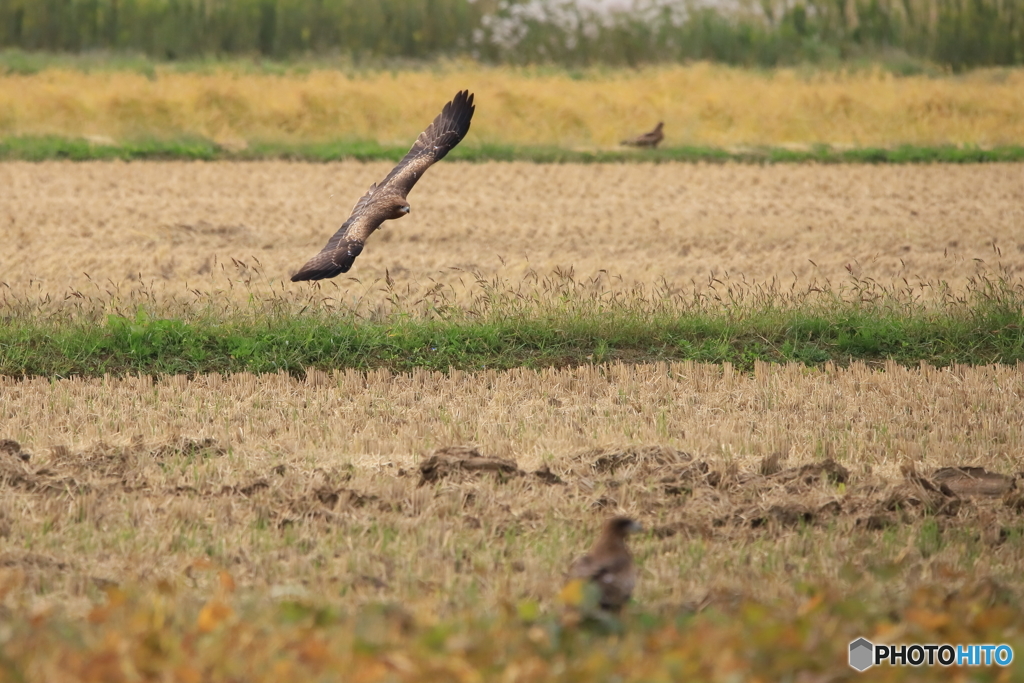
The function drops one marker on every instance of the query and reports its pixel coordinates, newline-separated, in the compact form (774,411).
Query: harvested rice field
(177,226)
(347,524)
(315,486)
(333,524)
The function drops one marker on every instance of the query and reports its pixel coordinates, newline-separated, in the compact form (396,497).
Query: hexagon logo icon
(862,654)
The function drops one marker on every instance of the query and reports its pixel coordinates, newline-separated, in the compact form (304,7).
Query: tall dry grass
(700,104)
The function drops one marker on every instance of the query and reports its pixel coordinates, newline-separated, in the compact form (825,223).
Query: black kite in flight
(386,200)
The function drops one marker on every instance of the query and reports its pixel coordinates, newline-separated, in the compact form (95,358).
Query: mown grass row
(505,329)
(44,148)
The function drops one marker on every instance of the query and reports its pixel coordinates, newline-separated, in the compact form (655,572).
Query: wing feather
(446,131)
(329,263)
(594,569)
(357,212)
(614,576)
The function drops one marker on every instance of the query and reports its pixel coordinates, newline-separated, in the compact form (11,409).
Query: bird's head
(623,526)
(399,208)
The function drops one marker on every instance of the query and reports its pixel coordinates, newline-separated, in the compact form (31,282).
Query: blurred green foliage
(905,34)
(173,29)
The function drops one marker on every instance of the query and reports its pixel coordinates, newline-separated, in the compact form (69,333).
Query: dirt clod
(547,476)
(973,481)
(641,459)
(445,462)
(813,472)
(12,448)
(189,447)
(916,493)
(877,521)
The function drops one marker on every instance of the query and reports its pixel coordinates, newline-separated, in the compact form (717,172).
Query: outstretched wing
(357,211)
(343,247)
(447,130)
(330,263)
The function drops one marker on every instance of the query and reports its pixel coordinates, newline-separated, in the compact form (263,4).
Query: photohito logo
(865,654)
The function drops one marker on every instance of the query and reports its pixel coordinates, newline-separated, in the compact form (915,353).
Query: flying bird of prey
(609,564)
(386,200)
(649,139)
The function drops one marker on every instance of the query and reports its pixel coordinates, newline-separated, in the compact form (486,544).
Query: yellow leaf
(399,662)
(227,582)
(810,605)
(9,581)
(994,618)
(212,615)
(314,651)
(186,673)
(115,598)
(927,618)
(201,563)
(573,593)
(528,610)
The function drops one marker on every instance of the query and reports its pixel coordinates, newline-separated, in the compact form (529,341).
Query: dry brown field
(249,490)
(176,226)
(701,104)
(309,488)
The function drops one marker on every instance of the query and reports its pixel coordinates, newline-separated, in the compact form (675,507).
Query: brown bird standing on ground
(650,139)
(386,200)
(609,564)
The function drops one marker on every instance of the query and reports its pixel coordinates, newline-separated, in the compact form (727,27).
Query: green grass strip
(43,148)
(295,342)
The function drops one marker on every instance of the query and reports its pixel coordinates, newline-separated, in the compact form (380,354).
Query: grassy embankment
(44,148)
(560,323)
(711,114)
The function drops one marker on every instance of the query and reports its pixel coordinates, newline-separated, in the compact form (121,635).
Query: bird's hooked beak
(634,527)
(405,209)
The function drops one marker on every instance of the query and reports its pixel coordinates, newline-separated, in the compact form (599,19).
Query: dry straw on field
(307,488)
(700,104)
(177,226)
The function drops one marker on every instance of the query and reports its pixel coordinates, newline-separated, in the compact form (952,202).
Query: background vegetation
(954,33)
(190,109)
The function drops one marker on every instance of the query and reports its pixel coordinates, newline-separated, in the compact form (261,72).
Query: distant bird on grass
(386,200)
(606,573)
(649,139)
